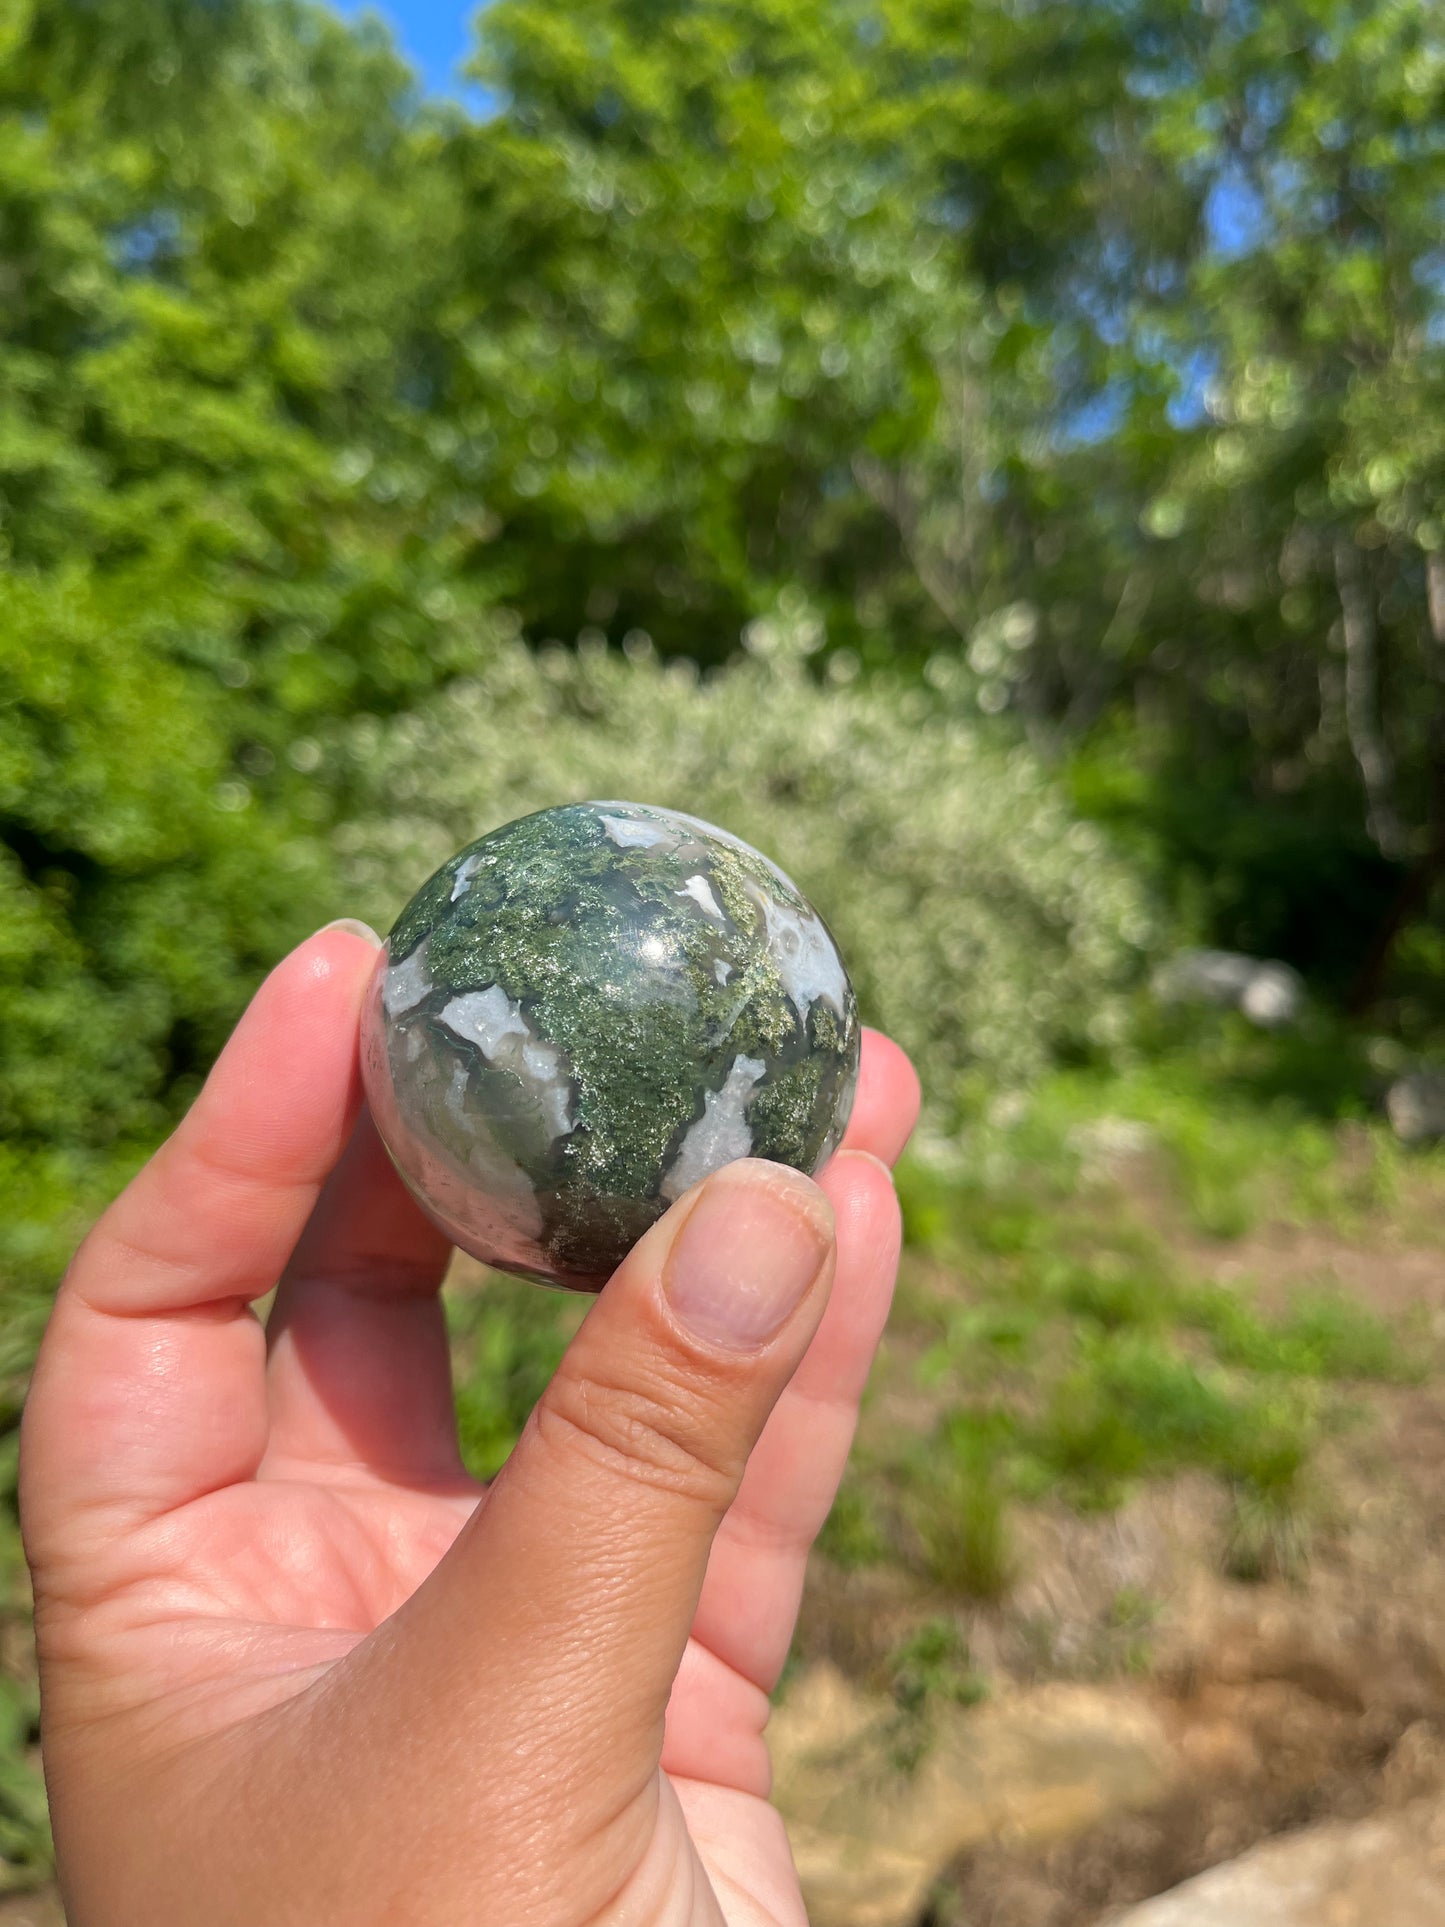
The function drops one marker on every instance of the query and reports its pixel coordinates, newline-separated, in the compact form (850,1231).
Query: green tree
(751,280)
(1083,359)
(1308,507)
(1095,345)
(221,229)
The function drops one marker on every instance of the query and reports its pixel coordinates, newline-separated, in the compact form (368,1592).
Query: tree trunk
(1418,886)
(1362,702)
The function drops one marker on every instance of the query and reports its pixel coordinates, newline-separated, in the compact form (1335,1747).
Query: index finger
(150,1385)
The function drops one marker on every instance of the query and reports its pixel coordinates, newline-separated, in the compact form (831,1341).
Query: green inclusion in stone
(587,1011)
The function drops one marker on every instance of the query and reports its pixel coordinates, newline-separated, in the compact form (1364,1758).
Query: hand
(297,1667)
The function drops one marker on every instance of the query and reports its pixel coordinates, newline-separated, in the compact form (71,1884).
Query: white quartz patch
(720,1134)
(700,890)
(406,983)
(721,969)
(495,1024)
(636,833)
(455,1099)
(803,954)
(462,881)
(736,843)
(643,827)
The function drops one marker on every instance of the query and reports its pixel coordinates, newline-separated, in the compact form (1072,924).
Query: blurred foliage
(929,1668)
(216,228)
(507,1341)
(1067,1344)
(1092,348)
(1074,365)
(985,929)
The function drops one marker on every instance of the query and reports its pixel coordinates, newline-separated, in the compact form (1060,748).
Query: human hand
(297,1667)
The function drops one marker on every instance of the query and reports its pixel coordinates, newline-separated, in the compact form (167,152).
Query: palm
(306,1567)
(263,1509)
(296,1566)
(339,1555)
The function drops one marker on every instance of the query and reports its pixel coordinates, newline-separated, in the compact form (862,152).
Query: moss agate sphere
(584,1013)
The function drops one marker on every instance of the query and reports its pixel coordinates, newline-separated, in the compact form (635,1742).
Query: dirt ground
(32,1910)
(1317,1696)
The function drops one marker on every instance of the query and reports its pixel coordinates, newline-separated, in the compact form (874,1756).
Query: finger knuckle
(661,1438)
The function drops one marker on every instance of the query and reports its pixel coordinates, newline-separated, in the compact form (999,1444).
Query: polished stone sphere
(584,1013)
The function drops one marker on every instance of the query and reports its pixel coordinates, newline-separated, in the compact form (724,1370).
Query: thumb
(563,1609)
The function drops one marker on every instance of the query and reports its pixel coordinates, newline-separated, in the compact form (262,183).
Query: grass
(1240,1127)
(1066,1341)
(929,1668)
(507,1339)
(852,1535)
(960,1507)
(1090,1413)
(933,1662)
(1130,1628)
(1324,1334)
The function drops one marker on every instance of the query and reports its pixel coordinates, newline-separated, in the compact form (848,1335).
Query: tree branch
(888,488)
(1435,601)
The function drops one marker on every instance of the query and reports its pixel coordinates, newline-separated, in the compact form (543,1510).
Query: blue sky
(434,35)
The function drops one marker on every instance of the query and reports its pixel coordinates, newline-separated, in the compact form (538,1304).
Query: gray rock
(1415,1106)
(1107,1146)
(1387,1872)
(1274,996)
(1270,994)
(1203,977)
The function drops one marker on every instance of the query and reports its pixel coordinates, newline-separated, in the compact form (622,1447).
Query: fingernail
(869,1157)
(354,927)
(751,1246)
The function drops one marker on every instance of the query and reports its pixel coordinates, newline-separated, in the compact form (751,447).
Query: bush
(985,928)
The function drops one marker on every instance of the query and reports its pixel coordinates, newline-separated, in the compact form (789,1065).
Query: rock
(1270,994)
(586,1012)
(1369,1873)
(1415,1106)
(1273,997)
(871,1835)
(1107,1145)
(1203,977)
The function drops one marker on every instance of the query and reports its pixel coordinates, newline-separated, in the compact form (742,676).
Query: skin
(296,1667)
